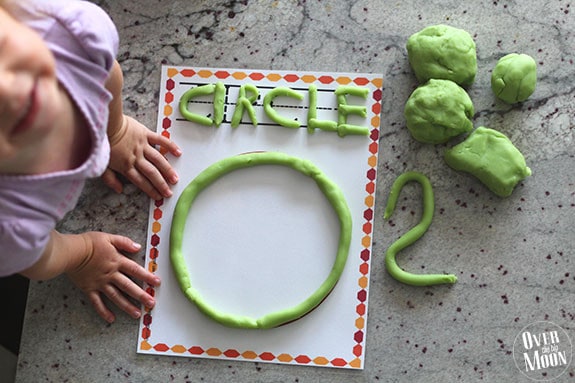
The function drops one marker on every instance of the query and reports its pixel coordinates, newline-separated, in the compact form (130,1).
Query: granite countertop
(513,256)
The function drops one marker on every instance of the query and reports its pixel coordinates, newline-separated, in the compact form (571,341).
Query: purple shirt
(84,42)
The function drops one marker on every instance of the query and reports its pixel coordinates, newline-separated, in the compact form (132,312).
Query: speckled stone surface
(514,257)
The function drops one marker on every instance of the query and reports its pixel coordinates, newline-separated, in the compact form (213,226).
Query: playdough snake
(412,235)
(331,191)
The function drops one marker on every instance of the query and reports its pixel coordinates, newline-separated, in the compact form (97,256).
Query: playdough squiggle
(332,192)
(412,235)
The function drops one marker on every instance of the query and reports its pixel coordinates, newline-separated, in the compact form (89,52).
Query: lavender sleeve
(23,242)
(84,42)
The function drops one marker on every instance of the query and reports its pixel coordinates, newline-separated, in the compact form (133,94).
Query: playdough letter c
(219,92)
(270,111)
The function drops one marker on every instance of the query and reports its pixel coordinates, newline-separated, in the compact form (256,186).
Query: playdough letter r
(244,103)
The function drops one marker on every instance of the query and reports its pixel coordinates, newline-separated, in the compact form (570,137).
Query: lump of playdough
(514,77)
(491,157)
(443,52)
(438,111)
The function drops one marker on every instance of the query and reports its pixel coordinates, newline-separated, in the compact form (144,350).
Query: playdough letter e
(344,109)
(218,90)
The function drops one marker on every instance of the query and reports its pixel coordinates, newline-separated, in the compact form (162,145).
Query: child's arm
(96,265)
(132,153)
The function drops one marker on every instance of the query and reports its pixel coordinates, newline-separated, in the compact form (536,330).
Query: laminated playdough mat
(264,238)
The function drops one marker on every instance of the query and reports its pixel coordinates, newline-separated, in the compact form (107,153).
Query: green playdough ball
(491,157)
(443,52)
(514,77)
(438,111)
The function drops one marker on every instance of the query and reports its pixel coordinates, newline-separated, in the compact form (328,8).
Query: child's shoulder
(85,22)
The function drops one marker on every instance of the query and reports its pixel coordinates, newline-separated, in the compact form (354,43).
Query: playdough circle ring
(277,318)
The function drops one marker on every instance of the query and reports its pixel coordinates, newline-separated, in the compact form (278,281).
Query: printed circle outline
(217,170)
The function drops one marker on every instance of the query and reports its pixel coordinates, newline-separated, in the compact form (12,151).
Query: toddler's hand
(107,271)
(134,156)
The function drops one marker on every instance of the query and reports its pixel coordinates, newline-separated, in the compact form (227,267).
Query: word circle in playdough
(274,319)
(249,93)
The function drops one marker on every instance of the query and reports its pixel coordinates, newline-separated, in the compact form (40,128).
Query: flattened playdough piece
(443,52)
(332,192)
(491,157)
(514,78)
(438,111)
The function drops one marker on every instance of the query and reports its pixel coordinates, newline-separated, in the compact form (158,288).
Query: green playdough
(312,121)
(332,192)
(245,103)
(195,92)
(491,157)
(343,110)
(443,52)
(514,77)
(412,235)
(270,111)
(438,111)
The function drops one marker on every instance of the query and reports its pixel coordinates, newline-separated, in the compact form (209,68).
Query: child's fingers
(151,181)
(100,307)
(128,287)
(133,270)
(121,301)
(161,164)
(141,178)
(110,179)
(158,139)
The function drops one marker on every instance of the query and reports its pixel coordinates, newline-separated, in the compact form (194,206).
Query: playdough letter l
(312,121)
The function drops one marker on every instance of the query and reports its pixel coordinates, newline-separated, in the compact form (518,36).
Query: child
(61,122)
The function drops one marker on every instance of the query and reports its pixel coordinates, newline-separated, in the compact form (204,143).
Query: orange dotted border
(367,228)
